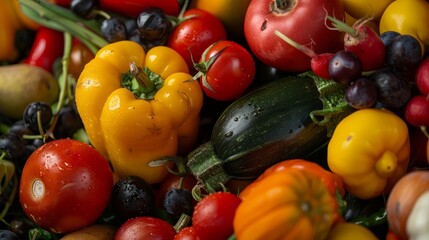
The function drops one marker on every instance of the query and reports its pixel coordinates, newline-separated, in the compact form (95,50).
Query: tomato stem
(282,6)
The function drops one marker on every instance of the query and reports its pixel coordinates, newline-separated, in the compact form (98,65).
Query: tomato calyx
(203,66)
(282,6)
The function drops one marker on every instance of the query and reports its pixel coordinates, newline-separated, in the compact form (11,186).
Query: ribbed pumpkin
(291,204)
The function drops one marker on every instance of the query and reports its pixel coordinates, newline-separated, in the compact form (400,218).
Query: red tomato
(132,8)
(147,228)
(191,37)
(187,233)
(65,185)
(227,70)
(214,214)
(301,20)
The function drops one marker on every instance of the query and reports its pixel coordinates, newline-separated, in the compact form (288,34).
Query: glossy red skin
(191,37)
(320,65)
(422,77)
(418,143)
(417,111)
(187,233)
(147,228)
(214,214)
(231,73)
(48,46)
(77,180)
(132,8)
(305,24)
(368,46)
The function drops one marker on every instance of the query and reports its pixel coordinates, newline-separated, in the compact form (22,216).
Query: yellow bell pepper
(370,150)
(12,20)
(407,17)
(366,8)
(158,118)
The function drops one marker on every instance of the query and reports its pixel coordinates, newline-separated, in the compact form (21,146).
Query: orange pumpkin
(290,204)
(333,182)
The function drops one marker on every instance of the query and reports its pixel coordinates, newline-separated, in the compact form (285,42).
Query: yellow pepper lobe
(386,165)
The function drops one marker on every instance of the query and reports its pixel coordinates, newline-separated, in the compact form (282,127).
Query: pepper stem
(141,77)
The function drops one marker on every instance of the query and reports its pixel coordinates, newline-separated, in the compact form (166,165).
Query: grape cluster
(36,127)
(150,28)
(390,86)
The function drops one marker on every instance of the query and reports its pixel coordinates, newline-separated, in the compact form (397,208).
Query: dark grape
(13,145)
(388,36)
(113,30)
(146,44)
(68,122)
(361,93)
(393,90)
(178,201)
(20,128)
(403,53)
(31,112)
(130,25)
(132,197)
(345,67)
(8,235)
(153,24)
(83,8)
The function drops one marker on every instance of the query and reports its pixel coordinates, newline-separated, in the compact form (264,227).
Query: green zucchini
(272,123)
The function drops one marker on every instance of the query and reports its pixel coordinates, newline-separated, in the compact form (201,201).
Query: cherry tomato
(187,233)
(65,185)
(147,228)
(191,37)
(228,70)
(80,55)
(304,21)
(214,214)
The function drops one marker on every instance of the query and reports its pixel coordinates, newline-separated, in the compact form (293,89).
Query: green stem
(64,83)
(207,167)
(45,16)
(335,106)
(342,26)
(141,77)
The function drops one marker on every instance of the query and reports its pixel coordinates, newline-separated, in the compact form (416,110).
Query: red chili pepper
(64,3)
(48,46)
(132,8)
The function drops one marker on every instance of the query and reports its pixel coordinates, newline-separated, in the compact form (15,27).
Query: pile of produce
(214,119)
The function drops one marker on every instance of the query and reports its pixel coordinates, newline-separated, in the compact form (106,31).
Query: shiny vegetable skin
(47,48)
(332,181)
(291,204)
(130,130)
(266,126)
(370,150)
(407,17)
(132,8)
